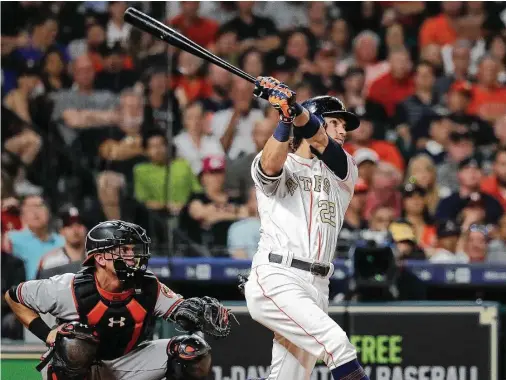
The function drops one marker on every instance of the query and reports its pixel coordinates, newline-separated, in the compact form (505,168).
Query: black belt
(314,268)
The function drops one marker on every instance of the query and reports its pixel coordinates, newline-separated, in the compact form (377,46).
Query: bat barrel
(163,32)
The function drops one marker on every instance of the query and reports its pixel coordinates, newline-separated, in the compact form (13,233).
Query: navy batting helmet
(330,106)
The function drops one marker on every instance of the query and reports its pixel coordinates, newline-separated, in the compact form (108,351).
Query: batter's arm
(273,157)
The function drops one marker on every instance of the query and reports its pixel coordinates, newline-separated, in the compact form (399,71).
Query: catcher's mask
(127,244)
(189,358)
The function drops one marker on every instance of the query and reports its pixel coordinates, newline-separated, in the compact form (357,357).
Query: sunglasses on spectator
(479,228)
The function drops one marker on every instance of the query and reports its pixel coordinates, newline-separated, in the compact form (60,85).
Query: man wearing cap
(469,195)
(367,161)
(403,235)
(74,232)
(448,233)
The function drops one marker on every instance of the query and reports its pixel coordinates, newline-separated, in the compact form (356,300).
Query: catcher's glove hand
(282,98)
(263,85)
(203,314)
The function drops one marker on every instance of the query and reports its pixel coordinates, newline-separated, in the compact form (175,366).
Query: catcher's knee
(188,358)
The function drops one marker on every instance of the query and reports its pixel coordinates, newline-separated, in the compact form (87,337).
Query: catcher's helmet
(330,106)
(112,234)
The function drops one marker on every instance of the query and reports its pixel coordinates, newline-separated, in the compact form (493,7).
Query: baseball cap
(361,186)
(411,188)
(446,228)
(69,215)
(365,154)
(401,230)
(213,164)
(470,162)
(282,62)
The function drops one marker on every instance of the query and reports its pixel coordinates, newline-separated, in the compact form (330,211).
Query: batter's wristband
(39,328)
(311,127)
(282,131)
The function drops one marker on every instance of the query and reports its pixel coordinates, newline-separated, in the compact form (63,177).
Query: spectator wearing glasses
(445,251)
(474,243)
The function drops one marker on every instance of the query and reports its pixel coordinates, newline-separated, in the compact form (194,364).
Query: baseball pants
(294,305)
(147,362)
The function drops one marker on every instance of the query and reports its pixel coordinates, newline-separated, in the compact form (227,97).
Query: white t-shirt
(443,256)
(116,34)
(243,138)
(209,146)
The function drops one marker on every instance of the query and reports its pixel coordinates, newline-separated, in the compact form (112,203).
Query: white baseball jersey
(302,209)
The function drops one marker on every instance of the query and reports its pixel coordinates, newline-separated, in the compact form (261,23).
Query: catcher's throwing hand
(263,85)
(203,314)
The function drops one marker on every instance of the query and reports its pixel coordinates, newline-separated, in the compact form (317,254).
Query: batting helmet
(330,106)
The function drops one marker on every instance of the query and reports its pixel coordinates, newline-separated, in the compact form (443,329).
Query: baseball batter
(106,314)
(302,199)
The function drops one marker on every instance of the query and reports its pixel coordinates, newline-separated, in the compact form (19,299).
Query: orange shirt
(194,88)
(202,30)
(428,237)
(388,91)
(490,186)
(489,104)
(437,30)
(386,151)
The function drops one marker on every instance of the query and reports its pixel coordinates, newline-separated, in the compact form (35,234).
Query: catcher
(106,313)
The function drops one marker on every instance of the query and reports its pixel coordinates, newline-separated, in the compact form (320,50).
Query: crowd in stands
(101,121)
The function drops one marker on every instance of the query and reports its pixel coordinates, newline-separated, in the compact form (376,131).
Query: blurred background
(101,121)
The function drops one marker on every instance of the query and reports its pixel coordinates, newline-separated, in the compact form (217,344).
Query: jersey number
(327,212)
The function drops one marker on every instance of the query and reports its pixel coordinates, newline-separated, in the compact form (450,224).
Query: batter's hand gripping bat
(163,32)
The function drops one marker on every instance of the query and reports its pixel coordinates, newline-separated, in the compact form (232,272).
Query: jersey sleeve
(269,185)
(166,302)
(54,296)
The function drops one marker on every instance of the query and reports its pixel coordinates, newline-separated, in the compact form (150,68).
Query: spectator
(495,185)
(489,96)
(353,222)
(194,143)
(460,146)
(284,68)
(422,172)
(410,112)
(197,28)
(95,37)
(82,106)
(162,184)
(367,161)
(208,215)
(252,30)
(238,172)
(497,50)
(251,61)
(297,46)
(474,243)
(31,243)
(385,181)
(365,55)
(381,218)
(438,138)
(244,235)
(340,38)
(324,79)
(286,15)
(393,87)
(468,195)
(190,85)
(362,138)
(117,29)
(227,45)
(445,252)
(13,273)
(220,80)
(119,152)
(234,126)
(10,214)
(405,241)
(394,39)
(441,29)
(115,77)
(317,15)
(500,131)
(54,71)
(497,248)
(162,108)
(416,212)
(456,69)
(432,54)
(18,100)
(74,232)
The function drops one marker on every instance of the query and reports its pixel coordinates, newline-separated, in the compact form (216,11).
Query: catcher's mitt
(205,314)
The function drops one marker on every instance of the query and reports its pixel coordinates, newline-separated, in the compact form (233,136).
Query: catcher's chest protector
(122,323)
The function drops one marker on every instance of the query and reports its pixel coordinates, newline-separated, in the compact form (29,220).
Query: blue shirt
(244,234)
(28,247)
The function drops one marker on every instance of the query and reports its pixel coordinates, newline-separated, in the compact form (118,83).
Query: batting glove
(263,85)
(282,98)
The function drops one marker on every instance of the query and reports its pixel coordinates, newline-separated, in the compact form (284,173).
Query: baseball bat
(165,33)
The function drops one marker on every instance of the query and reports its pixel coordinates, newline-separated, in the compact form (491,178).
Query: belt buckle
(319,269)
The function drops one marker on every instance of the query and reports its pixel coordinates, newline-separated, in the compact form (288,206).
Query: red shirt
(202,30)
(194,89)
(437,30)
(389,91)
(489,104)
(490,186)
(387,152)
